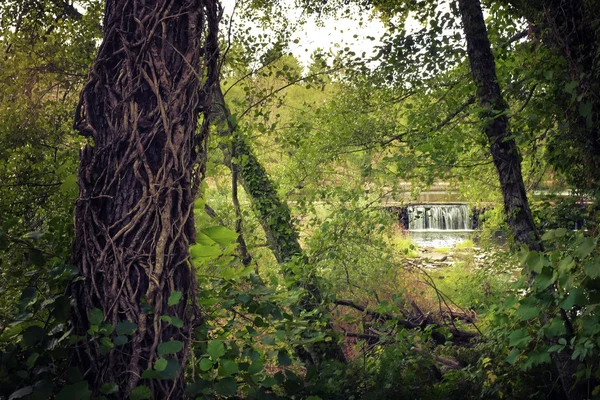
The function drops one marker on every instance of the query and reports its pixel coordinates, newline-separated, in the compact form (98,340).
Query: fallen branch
(439,338)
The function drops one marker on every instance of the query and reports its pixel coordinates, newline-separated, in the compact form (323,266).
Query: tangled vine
(138,177)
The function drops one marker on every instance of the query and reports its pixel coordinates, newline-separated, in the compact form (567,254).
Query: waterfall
(442,217)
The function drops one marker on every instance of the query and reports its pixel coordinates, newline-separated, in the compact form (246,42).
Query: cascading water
(439,225)
(439,217)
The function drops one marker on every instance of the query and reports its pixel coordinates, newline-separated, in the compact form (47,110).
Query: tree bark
(505,155)
(138,177)
(502,147)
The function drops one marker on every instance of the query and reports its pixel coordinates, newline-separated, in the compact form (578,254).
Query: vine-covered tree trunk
(505,154)
(274,215)
(566,27)
(138,177)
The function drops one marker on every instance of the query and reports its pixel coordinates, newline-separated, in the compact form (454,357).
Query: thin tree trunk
(273,214)
(505,155)
(138,177)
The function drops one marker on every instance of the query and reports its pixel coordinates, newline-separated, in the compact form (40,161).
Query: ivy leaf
(171,370)
(150,374)
(592,268)
(576,297)
(161,364)
(560,232)
(33,335)
(284,359)
(96,316)
(519,338)
(226,387)
(269,382)
(206,364)
(220,234)
(512,356)
(109,388)
(555,328)
(535,261)
(175,321)
(32,359)
(170,347)
(585,248)
(140,393)
(76,391)
(256,367)
(126,327)
(175,298)
(227,368)
(215,349)
(26,391)
(120,340)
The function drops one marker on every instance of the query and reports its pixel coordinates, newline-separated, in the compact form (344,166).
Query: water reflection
(439,238)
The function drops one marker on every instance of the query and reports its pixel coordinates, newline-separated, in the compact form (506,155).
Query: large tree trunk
(138,178)
(274,216)
(503,148)
(505,155)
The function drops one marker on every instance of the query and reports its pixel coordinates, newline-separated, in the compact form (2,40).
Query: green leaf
(175,321)
(227,368)
(171,371)
(555,328)
(226,387)
(519,338)
(269,340)
(560,232)
(76,391)
(96,316)
(206,364)
(283,358)
(126,327)
(33,335)
(585,248)
(150,374)
(170,347)
(121,340)
(109,388)
(592,268)
(215,349)
(269,382)
(535,261)
(576,297)
(549,235)
(256,367)
(175,298)
(545,278)
(512,356)
(32,359)
(220,234)
(161,364)
(26,391)
(140,393)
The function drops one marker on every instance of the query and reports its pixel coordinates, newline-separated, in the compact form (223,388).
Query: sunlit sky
(330,34)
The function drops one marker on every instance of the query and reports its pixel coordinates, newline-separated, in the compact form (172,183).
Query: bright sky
(333,33)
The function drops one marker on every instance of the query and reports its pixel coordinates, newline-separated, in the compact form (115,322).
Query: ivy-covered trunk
(138,177)
(570,33)
(274,215)
(505,155)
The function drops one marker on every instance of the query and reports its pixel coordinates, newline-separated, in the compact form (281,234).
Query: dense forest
(191,209)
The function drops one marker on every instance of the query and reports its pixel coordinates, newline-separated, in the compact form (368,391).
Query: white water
(442,225)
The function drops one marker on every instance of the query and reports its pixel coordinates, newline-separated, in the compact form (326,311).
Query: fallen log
(458,334)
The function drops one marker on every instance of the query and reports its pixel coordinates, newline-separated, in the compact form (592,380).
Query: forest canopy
(194,203)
